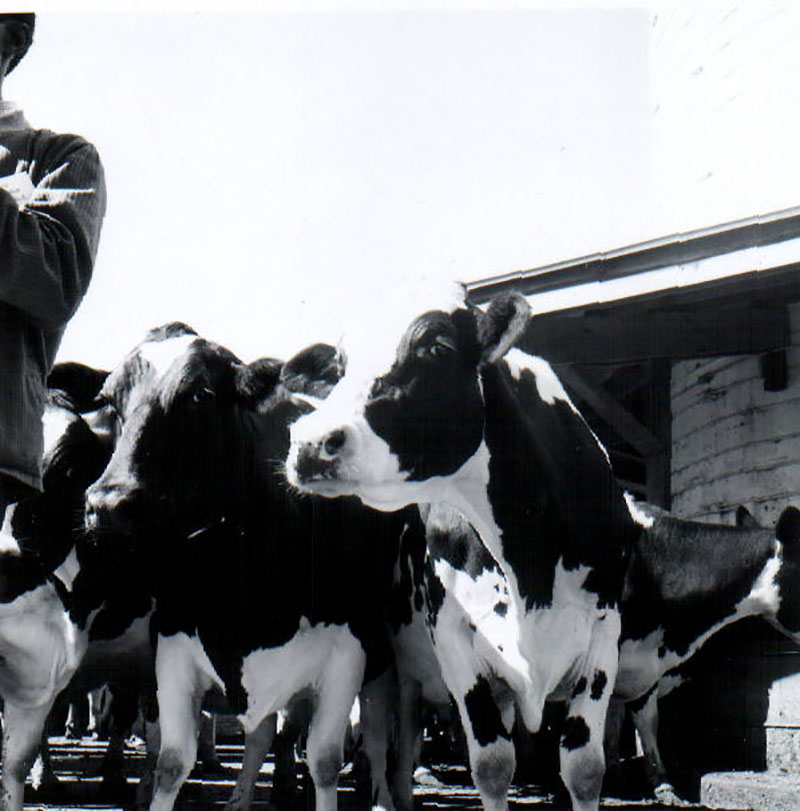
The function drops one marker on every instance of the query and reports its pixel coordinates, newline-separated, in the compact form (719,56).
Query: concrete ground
(76,764)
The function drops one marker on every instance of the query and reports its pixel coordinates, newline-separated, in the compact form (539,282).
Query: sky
(272,172)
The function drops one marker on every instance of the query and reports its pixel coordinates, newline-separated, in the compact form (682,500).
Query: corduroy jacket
(52,203)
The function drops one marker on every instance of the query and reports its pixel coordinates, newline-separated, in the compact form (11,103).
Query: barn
(684,355)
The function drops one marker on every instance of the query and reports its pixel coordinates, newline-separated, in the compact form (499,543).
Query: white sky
(271,171)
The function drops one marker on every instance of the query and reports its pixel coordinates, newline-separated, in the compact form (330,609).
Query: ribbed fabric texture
(52,203)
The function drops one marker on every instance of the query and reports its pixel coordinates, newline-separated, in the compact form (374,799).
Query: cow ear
(744,520)
(502,325)
(79,382)
(314,370)
(257,380)
(788,529)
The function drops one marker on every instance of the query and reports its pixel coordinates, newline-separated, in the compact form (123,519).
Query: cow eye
(202,395)
(439,346)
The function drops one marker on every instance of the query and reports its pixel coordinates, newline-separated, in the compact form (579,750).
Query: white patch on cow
(764,597)
(669,682)
(315,654)
(548,385)
(55,423)
(39,647)
(638,513)
(8,543)
(68,570)
(639,665)
(160,355)
(495,640)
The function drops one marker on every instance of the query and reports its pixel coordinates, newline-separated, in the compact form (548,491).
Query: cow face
(385,436)
(184,407)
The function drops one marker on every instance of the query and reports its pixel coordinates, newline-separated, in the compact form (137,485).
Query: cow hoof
(425,777)
(665,795)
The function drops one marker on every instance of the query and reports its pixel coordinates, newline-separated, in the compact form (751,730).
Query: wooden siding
(733,442)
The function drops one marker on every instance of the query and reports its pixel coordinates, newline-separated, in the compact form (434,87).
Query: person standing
(52,204)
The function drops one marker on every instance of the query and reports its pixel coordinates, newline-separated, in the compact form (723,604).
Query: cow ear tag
(502,325)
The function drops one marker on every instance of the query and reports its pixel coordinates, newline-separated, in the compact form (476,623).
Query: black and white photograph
(400,405)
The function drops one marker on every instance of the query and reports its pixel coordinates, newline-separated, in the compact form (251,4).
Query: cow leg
(256,745)
(409,740)
(337,692)
(645,719)
(487,720)
(582,756)
(293,724)
(375,735)
(22,735)
(152,738)
(181,686)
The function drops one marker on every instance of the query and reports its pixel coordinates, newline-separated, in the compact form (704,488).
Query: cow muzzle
(110,508)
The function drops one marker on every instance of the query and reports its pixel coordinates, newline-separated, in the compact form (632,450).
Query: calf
(269,595)
(687,580)
(452,414)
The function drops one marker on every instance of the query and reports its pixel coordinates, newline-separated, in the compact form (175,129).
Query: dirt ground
(77,764)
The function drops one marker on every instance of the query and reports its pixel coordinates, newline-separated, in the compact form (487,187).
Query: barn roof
(717,291)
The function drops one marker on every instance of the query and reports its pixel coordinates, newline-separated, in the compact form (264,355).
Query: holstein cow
(687,580)
(452,414)
(47,618)
(269,595)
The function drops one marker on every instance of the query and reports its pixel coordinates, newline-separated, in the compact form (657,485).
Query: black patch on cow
(80,382)
(484,715)
(501,609)
(552,491)
(788,533)
(575,733)
(580,687)
(428,406)
(436,593)
(406,595)
(451,538)
(687,576)
(599,683)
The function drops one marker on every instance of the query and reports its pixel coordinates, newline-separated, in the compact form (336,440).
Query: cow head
(416,416)
(185,409)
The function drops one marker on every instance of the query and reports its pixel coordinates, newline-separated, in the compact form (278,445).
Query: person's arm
(48,245)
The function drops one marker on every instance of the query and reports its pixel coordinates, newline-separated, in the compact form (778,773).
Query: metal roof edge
(675,249)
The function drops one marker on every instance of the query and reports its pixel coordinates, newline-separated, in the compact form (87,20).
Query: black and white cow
(450,413)
(687,580)
(48,620)
(269,595)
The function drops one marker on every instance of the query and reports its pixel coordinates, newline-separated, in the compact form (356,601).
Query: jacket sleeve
(48,244)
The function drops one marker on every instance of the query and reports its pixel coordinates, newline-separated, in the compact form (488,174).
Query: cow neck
(553,497)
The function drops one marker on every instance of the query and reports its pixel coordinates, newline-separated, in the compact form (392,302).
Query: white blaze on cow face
(8,543)
(160,355)
(54,423)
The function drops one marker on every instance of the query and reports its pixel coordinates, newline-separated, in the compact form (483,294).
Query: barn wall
(733,442)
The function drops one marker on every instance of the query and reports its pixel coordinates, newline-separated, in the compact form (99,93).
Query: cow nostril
(334,442)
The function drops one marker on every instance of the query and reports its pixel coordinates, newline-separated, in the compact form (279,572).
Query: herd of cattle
(429,521)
